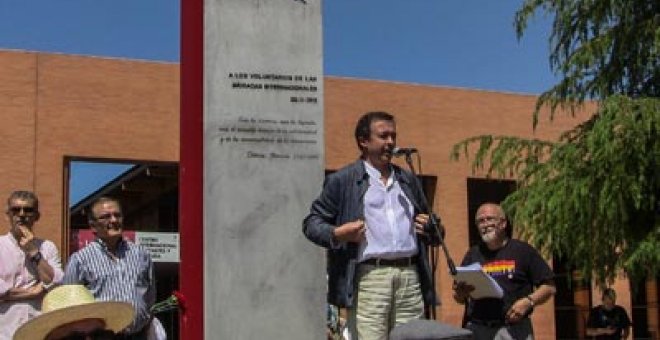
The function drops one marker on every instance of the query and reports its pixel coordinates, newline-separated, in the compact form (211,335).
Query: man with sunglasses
(525,278)
(113,268)
(28,265)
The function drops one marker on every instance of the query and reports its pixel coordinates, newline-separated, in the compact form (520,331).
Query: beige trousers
(385,297)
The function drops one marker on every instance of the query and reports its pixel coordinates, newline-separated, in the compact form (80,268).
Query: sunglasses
(25,210)
(107,216)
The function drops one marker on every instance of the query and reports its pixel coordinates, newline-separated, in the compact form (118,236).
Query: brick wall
(53,106)
(432,119)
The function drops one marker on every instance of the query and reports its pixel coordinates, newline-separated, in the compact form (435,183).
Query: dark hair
(363,127)
(24,195)
(103,199)
(610,293)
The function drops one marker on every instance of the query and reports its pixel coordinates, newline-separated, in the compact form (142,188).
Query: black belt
(400,262)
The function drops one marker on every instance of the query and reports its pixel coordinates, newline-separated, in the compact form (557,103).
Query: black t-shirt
(617,318)
(517,268)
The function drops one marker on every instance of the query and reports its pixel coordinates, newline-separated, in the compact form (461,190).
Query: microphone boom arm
(433,220)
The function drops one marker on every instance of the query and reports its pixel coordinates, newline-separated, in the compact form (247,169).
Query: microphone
(403,151)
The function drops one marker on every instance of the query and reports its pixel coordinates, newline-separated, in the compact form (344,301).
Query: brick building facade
(56,108)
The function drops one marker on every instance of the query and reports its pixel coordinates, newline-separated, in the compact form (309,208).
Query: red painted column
(191,203)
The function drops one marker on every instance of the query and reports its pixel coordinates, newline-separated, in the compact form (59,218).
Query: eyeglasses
(108,216)
(25,210)
(488,219)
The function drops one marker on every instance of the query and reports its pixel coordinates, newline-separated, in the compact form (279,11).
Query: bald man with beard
(525,278)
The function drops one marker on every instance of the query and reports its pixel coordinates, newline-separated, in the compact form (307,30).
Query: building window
(572,301)
(644,302)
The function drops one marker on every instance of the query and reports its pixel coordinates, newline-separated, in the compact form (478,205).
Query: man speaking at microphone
(370,217)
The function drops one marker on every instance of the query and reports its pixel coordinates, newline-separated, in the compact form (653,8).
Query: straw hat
(70,303)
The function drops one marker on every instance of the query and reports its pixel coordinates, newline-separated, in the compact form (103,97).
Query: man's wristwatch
(36,258)
(531,301)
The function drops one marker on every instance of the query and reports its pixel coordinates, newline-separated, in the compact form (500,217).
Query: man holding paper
(524,276)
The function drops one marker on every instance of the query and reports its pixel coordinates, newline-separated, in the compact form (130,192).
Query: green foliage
(593,196)
(600,48)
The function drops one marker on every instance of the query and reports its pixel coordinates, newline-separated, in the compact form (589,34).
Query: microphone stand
(433,220)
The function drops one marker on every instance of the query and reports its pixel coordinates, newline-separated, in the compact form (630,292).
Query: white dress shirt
(389,217)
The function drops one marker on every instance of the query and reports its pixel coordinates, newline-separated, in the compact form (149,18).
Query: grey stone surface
(263,163)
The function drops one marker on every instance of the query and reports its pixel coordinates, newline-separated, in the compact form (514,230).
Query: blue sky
(462,43)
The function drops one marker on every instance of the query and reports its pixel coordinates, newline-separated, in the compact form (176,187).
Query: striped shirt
(128,278)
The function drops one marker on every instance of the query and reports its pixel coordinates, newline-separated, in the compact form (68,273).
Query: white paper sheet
(484,285)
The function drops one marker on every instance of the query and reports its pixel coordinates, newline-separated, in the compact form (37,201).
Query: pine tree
(592,197)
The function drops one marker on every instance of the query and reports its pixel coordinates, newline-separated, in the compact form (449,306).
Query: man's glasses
(25,210)
(488,219)
(108,216)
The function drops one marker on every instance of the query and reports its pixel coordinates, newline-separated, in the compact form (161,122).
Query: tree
(593,196)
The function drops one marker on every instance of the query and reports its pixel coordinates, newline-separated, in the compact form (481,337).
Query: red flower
(175,301)
(180,298)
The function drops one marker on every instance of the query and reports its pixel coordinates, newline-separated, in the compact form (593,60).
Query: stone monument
(263,165)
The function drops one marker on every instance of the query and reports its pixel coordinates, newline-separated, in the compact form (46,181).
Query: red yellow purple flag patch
(501,267)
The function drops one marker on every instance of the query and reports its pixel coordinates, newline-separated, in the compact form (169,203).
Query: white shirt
(16,272)
(389,217)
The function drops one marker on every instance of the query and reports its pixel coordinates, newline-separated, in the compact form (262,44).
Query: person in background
(115,269)
(29,265)
(525,278)
(609,320)
(70,312)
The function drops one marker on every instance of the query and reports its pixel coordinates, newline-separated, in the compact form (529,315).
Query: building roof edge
(152,61)
(449,87)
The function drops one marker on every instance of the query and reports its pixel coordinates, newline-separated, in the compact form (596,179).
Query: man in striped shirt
(113,268)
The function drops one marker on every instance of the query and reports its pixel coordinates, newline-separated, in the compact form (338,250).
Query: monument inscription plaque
(263,165)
